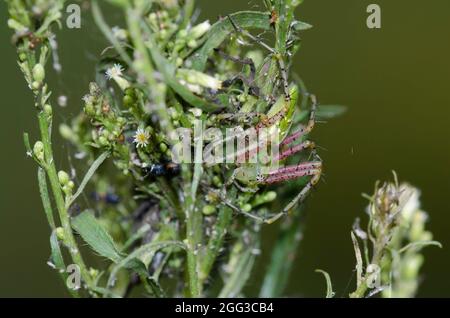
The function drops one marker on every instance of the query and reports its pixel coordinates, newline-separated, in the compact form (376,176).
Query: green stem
(52,174)
(216,242)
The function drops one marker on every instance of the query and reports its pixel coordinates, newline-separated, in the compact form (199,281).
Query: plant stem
(216,242)
(52,174)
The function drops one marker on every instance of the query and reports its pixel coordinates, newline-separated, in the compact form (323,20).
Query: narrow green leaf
(136,236)
(330,111)
(330,293)
(359,261)
(420,244)
(282,259)
(57,261)
(96,236)
(45,198)
(132,261)
(301,26)
(97,163)
(240,275)
(221,30)
(26,141)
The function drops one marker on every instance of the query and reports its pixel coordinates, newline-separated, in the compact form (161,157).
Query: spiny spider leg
(309,127)
(295,149)
(301,166)
(295,174)
(253,90)
(245,61)
(298,199)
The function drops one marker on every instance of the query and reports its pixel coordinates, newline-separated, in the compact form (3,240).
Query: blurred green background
(394,80)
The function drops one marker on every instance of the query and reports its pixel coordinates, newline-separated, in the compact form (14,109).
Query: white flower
(141,138)
(114,72)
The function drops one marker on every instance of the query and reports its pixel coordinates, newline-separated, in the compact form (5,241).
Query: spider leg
(295,149)
(289,175)
(309,127)
(301,196)
(245,61)
(302,166)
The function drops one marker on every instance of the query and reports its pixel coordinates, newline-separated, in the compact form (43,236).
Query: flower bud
(192,44)
(199,30)
(208,209)
(71,185)
(60,233)
(48,110)
(103,141)
(35,85)
(63,178)
(216,181)
(163,147)
(38,150)
(270,196)
(38,73)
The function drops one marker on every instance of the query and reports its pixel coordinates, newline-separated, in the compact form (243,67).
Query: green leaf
(301,26)
(133,261)
(330,293)
(330,111)
(89,175)
(420,244)
(45,198)
(240,275)
(96,236)
(221,30)
(282,258)
(26,141)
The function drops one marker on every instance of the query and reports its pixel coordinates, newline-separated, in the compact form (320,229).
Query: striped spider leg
(251,174)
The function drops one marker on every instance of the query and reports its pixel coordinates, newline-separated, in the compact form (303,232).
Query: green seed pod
(247,207)
(38,73)
(63,178)
(209,209)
